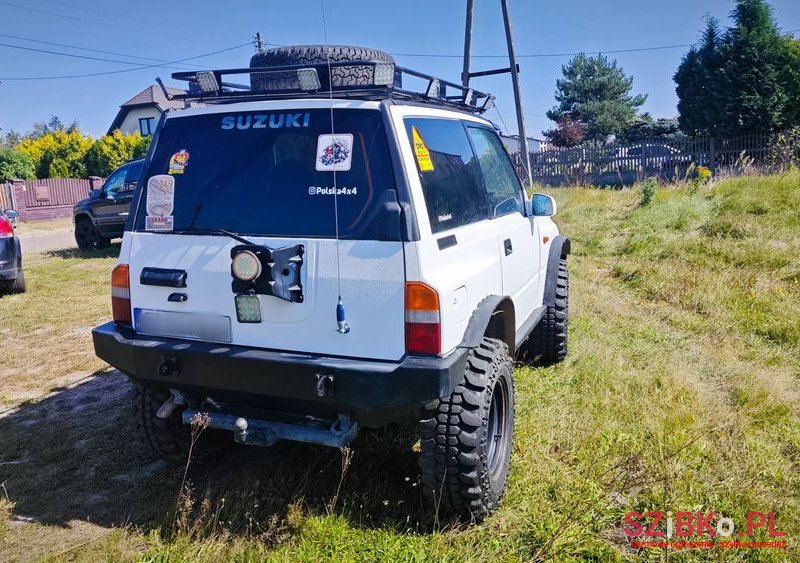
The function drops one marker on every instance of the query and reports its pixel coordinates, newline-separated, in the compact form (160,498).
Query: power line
(79,48)
(544,55)
(142,67)
(100,23)
(73,55)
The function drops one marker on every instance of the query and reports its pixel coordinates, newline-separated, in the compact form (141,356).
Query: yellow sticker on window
(421,151)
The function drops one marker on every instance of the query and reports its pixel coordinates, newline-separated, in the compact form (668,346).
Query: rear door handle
(507,246)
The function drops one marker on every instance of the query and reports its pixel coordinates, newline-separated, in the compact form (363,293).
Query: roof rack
(314,80)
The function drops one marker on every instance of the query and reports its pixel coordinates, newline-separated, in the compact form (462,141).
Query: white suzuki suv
(326,250)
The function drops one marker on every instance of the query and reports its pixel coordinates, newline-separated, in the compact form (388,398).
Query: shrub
(112,151)
(59,154)
(648,191)
(15,164)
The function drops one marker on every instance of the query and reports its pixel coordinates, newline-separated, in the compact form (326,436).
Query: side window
(132,177)
(448,171)
(502,185)
(115,182)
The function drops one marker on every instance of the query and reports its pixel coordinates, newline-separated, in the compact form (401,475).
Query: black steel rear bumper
(369,391)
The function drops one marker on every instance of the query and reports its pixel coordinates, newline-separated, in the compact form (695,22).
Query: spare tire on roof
(315,55)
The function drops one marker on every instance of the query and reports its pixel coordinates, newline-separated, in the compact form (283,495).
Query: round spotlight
(246,266)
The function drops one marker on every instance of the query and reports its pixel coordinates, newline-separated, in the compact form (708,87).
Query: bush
(15,164)
(59,154)
(783,151)
(112,151)
(648,191)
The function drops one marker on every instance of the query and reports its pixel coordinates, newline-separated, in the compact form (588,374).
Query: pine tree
(746,80)
(596,92)
(697,88)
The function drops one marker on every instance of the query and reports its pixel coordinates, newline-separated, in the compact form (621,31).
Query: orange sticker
(421,152)
(178,162)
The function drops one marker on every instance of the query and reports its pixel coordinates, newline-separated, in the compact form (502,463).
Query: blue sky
(141,31)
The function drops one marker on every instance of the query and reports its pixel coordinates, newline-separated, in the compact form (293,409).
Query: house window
(147,125)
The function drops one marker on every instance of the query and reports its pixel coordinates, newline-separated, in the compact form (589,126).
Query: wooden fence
(50,198)
(5,197)
(619,164)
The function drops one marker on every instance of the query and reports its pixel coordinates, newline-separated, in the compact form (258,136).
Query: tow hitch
(256,432)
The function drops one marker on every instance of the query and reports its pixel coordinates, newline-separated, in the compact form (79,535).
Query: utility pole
(467,44)
(512,59)
(513,68)
(259,43)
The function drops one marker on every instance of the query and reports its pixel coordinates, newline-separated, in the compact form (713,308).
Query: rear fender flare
(493,316)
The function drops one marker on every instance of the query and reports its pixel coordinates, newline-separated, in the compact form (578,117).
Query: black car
(102,216)
(12,279)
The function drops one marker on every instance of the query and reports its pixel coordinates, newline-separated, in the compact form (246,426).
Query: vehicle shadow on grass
(111,251)
(74,455)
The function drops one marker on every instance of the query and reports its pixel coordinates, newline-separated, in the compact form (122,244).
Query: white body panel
(373,273)
(520,268)
(476,266)
(372,288)
(372,280)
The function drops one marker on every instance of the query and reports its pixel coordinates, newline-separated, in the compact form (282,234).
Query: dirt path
(47,241)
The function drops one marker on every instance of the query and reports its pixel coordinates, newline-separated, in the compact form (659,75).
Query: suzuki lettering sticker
(178,161)
(421,152)
(335,152)
(160,202)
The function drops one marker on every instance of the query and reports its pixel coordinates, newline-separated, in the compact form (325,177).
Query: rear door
(281,179)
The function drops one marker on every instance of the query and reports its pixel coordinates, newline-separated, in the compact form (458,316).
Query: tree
(11,138)
(697,85)
(793,82)
(58,154)
(743,81)
(568,133)
(597,93)
(15,164)
(645,127)
(42,128)
(112,151)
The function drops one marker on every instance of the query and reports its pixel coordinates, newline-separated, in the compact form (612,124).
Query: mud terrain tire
(547,344)
(466,439)
(315,54)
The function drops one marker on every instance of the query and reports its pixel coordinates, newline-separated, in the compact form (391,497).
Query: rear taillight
(423,328)
(6,230)
(121,295)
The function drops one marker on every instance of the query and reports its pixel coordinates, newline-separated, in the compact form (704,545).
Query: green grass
(680,392)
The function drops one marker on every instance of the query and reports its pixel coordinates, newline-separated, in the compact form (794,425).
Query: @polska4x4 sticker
(160,203)
(178,161)
(335,152)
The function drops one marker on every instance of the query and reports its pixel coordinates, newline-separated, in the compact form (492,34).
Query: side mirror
(11,214)
(94,194)
(543,205)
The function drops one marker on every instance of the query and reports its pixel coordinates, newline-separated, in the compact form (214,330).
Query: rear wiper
(234,236)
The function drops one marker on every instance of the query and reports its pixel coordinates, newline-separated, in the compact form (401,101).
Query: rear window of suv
(271,173)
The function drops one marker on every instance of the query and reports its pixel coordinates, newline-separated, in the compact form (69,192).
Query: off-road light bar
(468,96)
(488,103)
(308,79)
(207,82)
(246,266)
(383,75)
(433,89)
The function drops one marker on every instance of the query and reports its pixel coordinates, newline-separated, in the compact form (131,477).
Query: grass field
(680,393)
